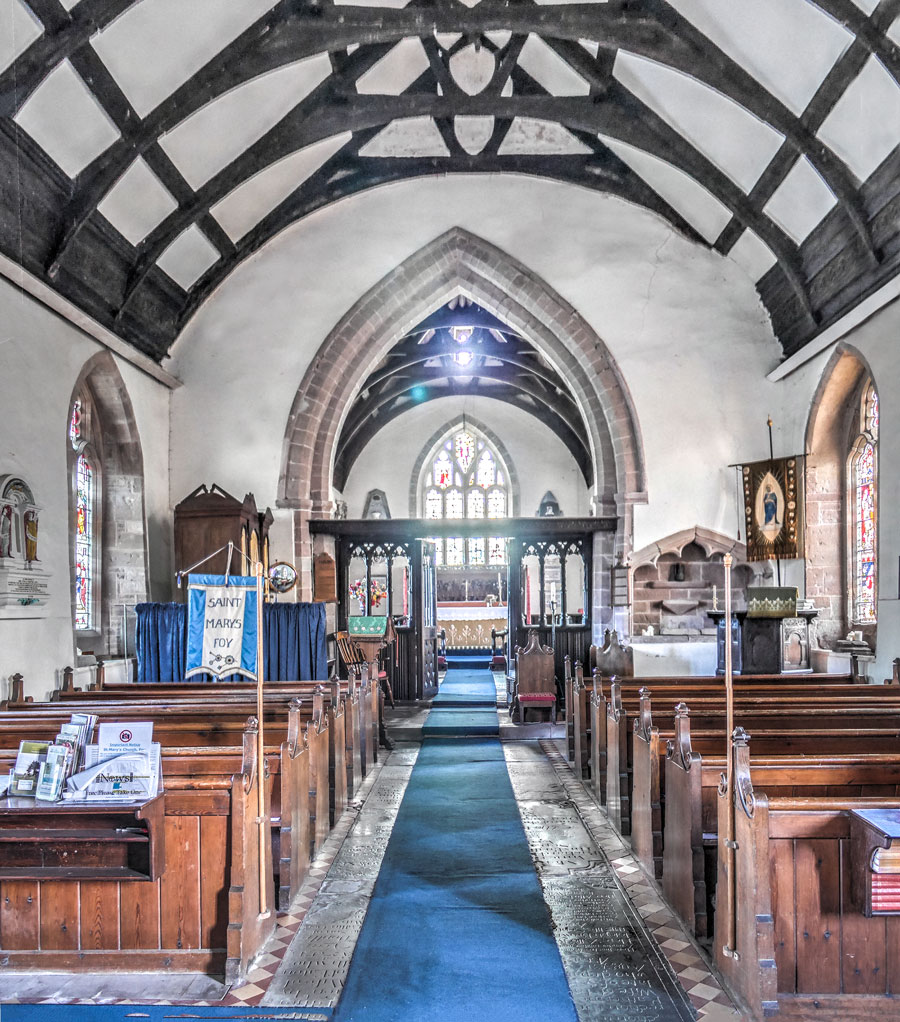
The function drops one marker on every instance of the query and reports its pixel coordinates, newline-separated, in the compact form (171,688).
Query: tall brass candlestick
(260,748)
(729,949)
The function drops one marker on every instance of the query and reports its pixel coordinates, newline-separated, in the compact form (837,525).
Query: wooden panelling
(214,856)
(59,916)
(20,915)
(139,925)
(180,886)
(99,915)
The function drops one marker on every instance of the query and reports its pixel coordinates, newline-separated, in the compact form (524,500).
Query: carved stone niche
(678,580)
(24,583)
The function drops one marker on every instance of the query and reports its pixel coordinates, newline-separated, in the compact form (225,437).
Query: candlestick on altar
(715,605)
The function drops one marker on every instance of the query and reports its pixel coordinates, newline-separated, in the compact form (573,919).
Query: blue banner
(222,631)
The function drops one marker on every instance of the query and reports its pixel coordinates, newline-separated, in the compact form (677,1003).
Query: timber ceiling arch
(463,351)
(148,146)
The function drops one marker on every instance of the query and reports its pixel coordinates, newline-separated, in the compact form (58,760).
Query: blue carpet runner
(474,661)
(465,706)
(457,929)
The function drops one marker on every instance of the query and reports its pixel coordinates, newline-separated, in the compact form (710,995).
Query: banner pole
(260,748)
(729,949)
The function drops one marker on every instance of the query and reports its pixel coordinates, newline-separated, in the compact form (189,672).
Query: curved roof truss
(544,94)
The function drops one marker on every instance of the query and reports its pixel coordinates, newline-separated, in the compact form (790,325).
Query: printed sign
(221,625)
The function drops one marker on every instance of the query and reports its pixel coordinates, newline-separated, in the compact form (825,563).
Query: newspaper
(124,765)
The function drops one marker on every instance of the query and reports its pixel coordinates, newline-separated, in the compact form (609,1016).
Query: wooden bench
(203,914)
(611,738)
(692,783)
(202,725)
(347,702)
(803,949)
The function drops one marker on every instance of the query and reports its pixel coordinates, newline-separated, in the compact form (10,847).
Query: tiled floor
(685,957)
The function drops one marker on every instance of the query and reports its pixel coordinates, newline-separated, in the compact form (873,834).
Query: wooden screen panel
(20,915)
(139,919)
(99,916)
(818,901)
(214,856)
(862,942)
(60,930)
(892,953)
(179,892)
(783,912)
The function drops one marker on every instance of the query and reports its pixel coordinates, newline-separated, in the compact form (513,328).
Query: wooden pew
(348,727)
(201,914)
(803,949)
(675,806)
(358,689)
(202,725)
(863,707)
(590,711)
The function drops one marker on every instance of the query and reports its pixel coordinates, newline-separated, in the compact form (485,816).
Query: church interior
(524,362)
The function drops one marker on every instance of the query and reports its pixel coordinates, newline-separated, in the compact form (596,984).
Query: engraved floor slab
(614,968)
(315,965)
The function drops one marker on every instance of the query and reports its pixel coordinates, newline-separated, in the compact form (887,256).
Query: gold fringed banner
(773,508)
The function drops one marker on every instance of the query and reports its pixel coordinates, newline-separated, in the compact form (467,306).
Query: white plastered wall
(541,460)
(877,341)
(685,326)
(41,357)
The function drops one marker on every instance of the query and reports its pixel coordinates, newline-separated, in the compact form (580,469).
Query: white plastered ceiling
(789,47)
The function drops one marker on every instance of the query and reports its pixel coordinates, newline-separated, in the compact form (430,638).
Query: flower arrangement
(377,592)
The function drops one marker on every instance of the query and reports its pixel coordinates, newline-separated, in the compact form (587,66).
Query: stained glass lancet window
(85,487)
(84,543)
(464,478)
(864,499)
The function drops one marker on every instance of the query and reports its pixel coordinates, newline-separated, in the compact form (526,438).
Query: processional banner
(222,628)
(773,508)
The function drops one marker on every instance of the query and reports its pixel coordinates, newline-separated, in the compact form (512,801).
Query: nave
(472,878)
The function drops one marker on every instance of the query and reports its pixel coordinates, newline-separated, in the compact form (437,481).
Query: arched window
(86,504)
(464,478)
(863,501)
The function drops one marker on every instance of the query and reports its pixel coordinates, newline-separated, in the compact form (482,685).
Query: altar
(468,625)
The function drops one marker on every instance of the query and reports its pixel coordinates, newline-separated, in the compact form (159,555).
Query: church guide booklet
(124,765)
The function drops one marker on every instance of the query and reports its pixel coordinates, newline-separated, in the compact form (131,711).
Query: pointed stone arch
(828,434)
(458,261)
(123,567)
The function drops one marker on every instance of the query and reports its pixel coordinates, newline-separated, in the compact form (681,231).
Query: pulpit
(766,645)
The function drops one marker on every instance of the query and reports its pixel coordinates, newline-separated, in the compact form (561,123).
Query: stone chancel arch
(455,262)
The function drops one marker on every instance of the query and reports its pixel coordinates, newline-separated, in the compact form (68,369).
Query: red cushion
(381,675)
(537,697)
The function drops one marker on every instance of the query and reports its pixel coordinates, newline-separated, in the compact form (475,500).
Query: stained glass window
(434,505)
(438,550)
(465,450)
(476,550)
(864,467)
(496,504)
(455,551)
(496,550)
(443,470)
(475,504)
(486,475)
(465,480)
(84,543)
(75,425)
(454,504)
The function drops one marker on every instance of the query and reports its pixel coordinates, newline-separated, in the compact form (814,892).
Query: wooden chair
(535,678)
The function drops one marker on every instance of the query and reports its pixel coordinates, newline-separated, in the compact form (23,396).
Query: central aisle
(458,929)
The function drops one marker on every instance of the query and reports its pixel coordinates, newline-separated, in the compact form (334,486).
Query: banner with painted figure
(222,631)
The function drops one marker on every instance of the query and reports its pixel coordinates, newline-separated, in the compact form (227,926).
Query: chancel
(534,368)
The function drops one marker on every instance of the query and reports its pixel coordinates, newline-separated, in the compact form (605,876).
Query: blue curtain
(293,636)
(160,640)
